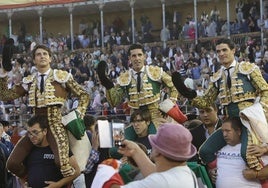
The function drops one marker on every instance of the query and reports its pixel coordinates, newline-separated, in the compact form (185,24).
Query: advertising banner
(8,4)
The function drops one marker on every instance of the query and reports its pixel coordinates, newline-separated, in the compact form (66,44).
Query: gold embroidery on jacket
(124,78)
(61,76)
(154,72)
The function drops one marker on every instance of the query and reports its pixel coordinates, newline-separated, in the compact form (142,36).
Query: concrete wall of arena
(58,24)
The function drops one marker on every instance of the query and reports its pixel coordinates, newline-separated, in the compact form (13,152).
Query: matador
(237,85)
(47,99)
(141,84)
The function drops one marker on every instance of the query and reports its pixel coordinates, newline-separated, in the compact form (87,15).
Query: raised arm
(7,94)
(132,149)
(114,94)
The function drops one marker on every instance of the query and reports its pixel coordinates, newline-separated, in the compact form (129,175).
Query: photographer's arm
(131,149)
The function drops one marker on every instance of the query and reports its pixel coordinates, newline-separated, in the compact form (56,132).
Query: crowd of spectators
(196,64)
(210,24)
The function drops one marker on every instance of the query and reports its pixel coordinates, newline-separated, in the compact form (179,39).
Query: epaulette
(246,67)
(216,76)
(61,76)
(124,79)
(154,72)
(28,79)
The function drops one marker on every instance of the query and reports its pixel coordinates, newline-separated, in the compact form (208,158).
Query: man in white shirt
(230,164)
(97,102)
(171,148)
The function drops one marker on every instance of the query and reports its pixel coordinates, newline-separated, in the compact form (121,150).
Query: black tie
(229,78)
(138,81)
(42,83)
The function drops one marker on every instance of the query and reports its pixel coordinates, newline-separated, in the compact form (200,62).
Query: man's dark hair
(42,120)
(89,120)
(145,115)
(227,41)
(4,123)
(42,47)
(235,122)
(136,46)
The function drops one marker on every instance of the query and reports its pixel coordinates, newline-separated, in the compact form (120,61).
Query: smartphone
(118,130)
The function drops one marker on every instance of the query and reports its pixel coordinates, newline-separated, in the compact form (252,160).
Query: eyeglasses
(34,133)
(138,121)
